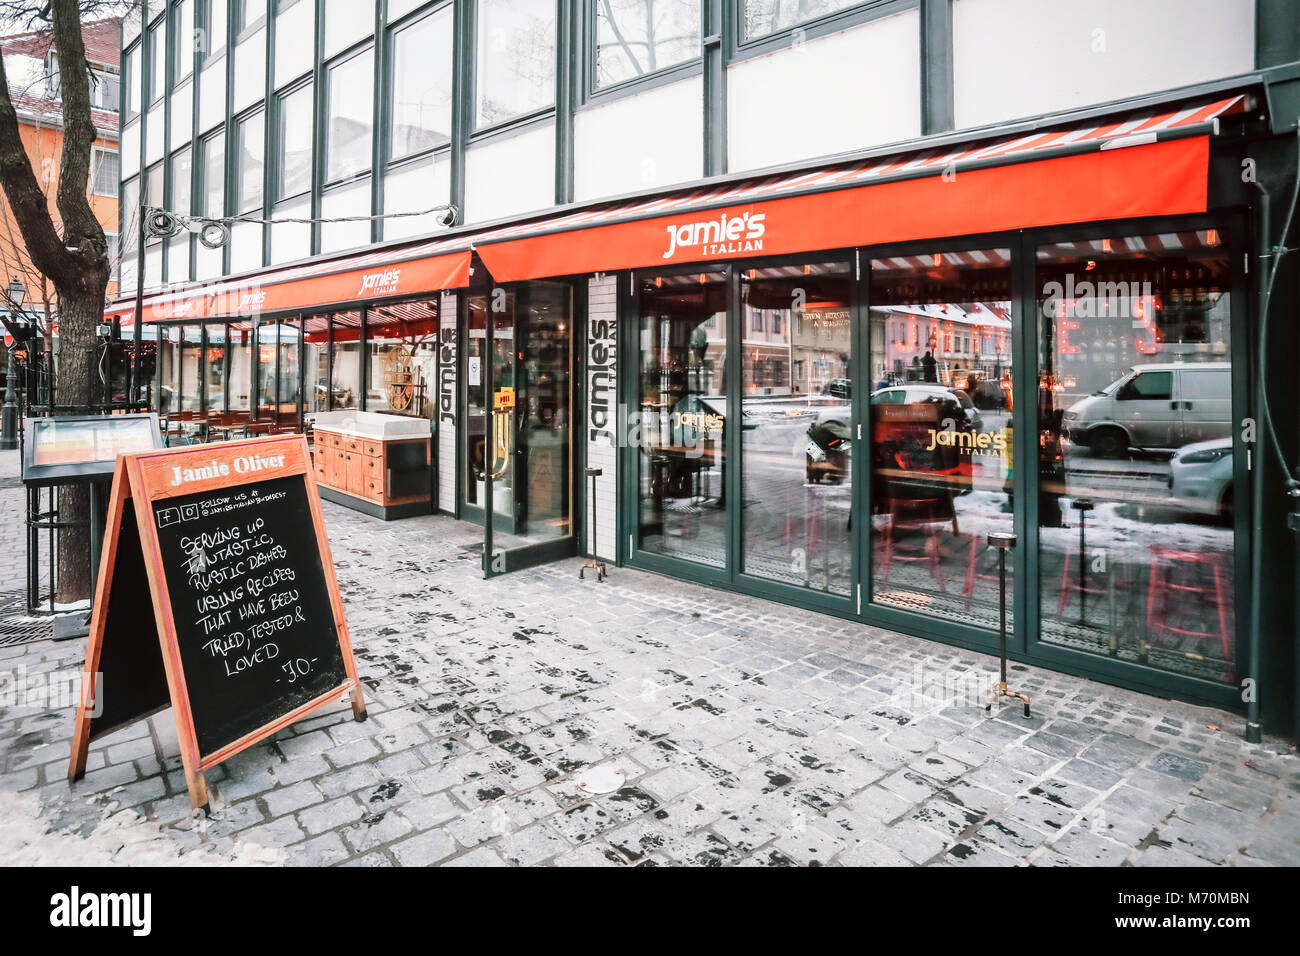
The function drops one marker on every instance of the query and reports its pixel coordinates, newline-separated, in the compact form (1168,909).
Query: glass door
(521,448)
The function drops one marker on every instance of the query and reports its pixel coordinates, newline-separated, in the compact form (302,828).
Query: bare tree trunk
(78,314)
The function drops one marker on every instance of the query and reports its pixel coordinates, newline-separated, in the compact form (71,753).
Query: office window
(105,170)
(250,152)
(153,192)
(762,17)
(179,200)
(182,40)
(131,96)
(214,175)
(639,37)
(516,59)
(350,117)
(421,78)
(156,45)
(247,14)
(293,162)
(213,39)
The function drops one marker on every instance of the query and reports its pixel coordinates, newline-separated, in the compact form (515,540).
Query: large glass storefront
(276,373)
(1137,502)
(845,431)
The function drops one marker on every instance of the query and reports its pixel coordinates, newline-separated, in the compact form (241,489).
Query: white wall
(849,90)
(291,240)
(154,145)
(250,71)
(602,451)
(507,175)
(414,186)
(212,95)
(350,200)
(1017,58)
(640,141)
(130,150)
(182,116)
(449,381)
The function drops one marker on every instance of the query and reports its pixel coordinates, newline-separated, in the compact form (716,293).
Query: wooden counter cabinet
(377,464)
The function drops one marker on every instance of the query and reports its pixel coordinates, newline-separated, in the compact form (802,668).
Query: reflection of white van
(1155,406)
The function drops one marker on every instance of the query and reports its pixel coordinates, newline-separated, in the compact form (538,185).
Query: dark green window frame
(585,46)
(740,48)
(322,99)
(470,98)
(237,11)
(384,123)
(211,52)
(175,64)
(275,143)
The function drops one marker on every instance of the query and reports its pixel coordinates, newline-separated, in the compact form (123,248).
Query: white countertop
(372,425)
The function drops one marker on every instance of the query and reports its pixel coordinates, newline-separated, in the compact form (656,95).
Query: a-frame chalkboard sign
(227,543)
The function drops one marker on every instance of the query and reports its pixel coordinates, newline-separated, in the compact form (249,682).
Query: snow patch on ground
(115,838)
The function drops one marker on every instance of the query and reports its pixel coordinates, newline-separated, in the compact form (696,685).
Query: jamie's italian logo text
(721,236)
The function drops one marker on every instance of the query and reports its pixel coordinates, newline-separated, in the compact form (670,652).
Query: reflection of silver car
(1165,405)
(1200,477)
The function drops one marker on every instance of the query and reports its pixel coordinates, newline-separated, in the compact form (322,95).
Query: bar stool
(923,517)
(1162,587)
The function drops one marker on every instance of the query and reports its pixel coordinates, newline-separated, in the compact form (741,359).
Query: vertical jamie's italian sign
(248,632)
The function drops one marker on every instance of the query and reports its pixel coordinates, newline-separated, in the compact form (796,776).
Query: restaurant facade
(818,372)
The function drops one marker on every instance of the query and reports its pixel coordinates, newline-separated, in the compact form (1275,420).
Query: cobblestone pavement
(747,733)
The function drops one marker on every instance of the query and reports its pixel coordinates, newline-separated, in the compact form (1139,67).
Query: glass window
(941,436)
(403,343)
(1136,452)
(240,386)
(249,135)
(156,44)
(169,370)
(131,95)
(422,81)
(179,200)
(268,337)
(214,175)
(213,38)
(106,172)
(516,59)
(191,383)
(216,368)
(183,40)
(762,17)
(350,117)
(316,363)
(683,414)
(294,143)
(290,385)
(796,395)
(638,37)
(153,193)
(346,381)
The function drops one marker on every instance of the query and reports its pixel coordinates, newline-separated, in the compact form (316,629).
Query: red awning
(1147,165)
(417,270)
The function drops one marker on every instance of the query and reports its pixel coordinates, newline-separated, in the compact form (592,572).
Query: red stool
(920,515)
(1162,587)
(1068,583)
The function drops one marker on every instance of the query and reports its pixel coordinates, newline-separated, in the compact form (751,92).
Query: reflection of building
(965,337)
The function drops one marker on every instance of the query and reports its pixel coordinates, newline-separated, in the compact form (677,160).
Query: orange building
(32,68)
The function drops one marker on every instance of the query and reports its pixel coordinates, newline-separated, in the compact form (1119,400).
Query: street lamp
(16,292)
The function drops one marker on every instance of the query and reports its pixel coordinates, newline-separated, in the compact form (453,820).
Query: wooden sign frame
(143,478)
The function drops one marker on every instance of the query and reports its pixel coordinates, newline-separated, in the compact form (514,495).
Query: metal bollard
(1003,541)
(594,562)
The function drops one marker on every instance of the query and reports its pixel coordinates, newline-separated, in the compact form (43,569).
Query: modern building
(826,292)
(32,69)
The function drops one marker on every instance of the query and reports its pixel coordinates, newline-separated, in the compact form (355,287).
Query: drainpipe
(1273,255)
